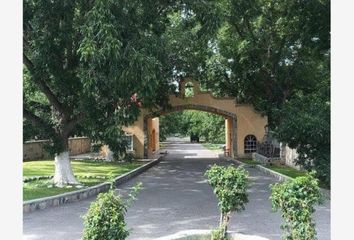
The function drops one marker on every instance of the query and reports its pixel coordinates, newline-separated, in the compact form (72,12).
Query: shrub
(230,188)
(105,217)
(296,199)
(218,234)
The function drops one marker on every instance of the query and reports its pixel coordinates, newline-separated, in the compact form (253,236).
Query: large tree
(305,126)
(267,50)
(90,65)
(276,56)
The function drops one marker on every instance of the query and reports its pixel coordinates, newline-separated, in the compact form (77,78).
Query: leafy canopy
(93,64)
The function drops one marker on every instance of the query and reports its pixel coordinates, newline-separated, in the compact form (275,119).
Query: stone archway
(240,119)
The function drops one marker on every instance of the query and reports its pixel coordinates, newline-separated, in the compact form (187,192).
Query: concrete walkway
(175,197)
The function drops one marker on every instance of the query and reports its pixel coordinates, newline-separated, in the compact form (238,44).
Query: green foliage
(90,66)
(306,128)
(187,36)
(209,126)
(88,172)
(86,60)
(105,217)
(217,234)
(171,124)
(68,83)
(230,187)
(287,171)
(266,50)
(276,56)
(296,199)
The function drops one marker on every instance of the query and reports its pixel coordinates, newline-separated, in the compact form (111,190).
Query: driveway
(175,197)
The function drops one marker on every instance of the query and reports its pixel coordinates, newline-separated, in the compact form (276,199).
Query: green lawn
(287,171)
(213,146)
(80,168)
(89,173)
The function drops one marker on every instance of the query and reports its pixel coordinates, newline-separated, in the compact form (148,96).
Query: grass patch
(283,169)
(287,171)
(88,173)
(213,146)
(80,168)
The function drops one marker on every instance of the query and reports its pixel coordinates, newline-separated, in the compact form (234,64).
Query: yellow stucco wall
(137,129)
(248,120)
(228,134)
(153,134)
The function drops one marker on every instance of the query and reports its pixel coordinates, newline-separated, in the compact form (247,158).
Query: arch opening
(151,125)
(189,90)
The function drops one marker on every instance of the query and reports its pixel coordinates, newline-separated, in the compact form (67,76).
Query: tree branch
(36,120)
(43,87)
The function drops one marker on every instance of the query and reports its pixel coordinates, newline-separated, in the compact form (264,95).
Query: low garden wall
(34,150)
(280,177)
(260,158)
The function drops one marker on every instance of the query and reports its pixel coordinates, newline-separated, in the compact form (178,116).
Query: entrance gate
(240,120)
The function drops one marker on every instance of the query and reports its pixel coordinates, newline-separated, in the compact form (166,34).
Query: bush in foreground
(296,199)
(105,217)
(230,186)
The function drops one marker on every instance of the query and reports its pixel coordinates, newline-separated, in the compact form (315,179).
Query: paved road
(175,197)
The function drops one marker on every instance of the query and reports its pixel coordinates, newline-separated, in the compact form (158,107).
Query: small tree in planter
(105,217)
(230,188)
(296,199)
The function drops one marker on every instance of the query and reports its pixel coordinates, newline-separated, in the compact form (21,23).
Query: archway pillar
(234,138)
(151,136)
(228,135)
(231,136)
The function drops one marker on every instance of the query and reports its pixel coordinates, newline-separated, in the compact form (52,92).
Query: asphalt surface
(175,197)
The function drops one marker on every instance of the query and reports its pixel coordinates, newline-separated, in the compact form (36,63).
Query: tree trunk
(63,172)
(226,222)
(221,220)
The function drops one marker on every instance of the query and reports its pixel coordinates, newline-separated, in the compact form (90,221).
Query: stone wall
(34,150)
(260,158)
(288,155)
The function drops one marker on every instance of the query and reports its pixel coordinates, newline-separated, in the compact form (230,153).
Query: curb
(74,196)
(199,232)
(280,177)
